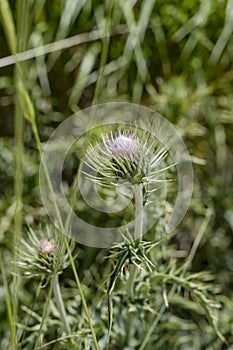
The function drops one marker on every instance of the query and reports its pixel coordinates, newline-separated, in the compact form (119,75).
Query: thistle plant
(43,254)
(129,157)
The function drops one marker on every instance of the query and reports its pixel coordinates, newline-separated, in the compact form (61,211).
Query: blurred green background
(175,57)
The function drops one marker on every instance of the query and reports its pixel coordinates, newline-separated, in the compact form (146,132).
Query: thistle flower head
(128,155)
(124,152)
(43,252)
(124,145)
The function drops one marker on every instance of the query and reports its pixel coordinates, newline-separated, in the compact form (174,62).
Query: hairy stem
(137,233)
(138,196)
(60,304)
(138,229)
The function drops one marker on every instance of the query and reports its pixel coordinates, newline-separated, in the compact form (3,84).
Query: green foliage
(176,58)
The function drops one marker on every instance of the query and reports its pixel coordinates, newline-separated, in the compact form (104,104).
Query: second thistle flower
(43,252)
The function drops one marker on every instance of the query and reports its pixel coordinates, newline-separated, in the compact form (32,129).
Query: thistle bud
(46,246)
(128,155)
(125,145)
(42,253)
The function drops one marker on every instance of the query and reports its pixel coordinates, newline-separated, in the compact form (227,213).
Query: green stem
(60,303)
(39,337)
(38,144)
(138,230)
(130,282)
(82,296)
(18,189)
(104,54)
(8,302)
(21,12)
(138,196)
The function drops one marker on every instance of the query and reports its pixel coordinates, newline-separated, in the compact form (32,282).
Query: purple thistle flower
(125,152)
(127,155)
(124,145)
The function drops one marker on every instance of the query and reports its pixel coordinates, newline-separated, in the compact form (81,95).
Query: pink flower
(124,145)
(46,246)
